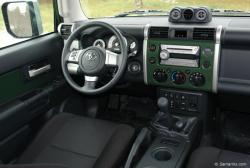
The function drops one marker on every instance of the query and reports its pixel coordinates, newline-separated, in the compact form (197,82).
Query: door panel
(15,59)
(23,99)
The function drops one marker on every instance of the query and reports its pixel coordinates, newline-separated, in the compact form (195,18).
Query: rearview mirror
(22,19)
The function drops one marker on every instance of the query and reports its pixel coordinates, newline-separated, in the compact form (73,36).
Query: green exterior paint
(207,72)
(13,84)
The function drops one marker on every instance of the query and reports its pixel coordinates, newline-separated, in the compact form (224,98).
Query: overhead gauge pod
(190,15)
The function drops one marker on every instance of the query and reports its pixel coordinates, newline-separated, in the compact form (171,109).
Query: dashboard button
(206,64)
(183,97)
(164,55)
(152,48)
(208,52)
(152,60)
(134,67)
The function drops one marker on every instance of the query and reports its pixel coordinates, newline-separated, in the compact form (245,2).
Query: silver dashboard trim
(181,62)
(73,68)
(39,71)
(216,59)
(61,24)
(91,78)
(145,46)
(75,58)
(111,58)
(181,49)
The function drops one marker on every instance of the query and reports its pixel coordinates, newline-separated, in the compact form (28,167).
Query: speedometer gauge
(99,43)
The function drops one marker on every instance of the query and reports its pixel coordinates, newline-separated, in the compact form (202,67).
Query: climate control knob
(164,55)
(197,79)
(160,75)
(178,77)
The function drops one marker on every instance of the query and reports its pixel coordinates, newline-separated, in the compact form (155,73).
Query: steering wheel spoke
(73,57)
(90,82)
(112,59)
(72,61)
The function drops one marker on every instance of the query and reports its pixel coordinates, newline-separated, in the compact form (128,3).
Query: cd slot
(178,55)
(178,49)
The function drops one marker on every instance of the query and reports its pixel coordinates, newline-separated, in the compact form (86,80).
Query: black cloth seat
(210,157)
(79,142)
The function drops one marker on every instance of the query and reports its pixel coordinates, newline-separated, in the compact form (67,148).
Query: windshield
(110,8)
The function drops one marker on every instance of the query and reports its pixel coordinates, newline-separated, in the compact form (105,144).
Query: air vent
(204,34)
(65,29)
(158,32)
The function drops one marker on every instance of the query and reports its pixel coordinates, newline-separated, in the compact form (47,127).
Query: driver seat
(72,141)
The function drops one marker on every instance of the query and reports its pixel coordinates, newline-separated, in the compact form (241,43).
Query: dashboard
(212,57)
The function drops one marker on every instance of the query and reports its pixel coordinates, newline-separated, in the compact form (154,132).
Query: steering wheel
(92,61)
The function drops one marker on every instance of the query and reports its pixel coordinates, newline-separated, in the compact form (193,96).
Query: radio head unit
(180,55)
(188,60)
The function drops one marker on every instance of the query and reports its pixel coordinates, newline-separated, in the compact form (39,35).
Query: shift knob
(163,104)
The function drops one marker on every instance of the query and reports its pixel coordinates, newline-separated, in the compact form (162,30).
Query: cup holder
(162,154)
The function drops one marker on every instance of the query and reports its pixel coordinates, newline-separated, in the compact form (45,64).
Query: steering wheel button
(74,56)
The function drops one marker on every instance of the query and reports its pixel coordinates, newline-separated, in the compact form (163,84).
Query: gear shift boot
(165,123)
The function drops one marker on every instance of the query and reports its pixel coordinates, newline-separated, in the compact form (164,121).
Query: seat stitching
(218,158)
(110,138)
(66,150)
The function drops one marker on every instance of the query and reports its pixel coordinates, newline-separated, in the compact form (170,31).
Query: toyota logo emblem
(91,56)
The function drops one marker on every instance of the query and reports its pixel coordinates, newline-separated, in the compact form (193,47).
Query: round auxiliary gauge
(201,14)
(175,14)
(99,43)
(132,46)
(188,13)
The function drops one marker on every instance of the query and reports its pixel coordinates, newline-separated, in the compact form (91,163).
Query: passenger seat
(210,157)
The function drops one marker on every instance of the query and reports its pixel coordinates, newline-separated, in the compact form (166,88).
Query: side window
(25,19)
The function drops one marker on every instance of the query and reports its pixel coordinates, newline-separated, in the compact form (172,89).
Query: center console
(185,58)
(174,136)
(173,131)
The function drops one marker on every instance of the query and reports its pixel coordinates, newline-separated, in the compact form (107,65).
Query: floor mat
(236,132)
(135,111)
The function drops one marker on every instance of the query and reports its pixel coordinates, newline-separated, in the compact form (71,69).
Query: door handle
(39,71)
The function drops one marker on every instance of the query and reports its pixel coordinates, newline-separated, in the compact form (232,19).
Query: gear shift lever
(163,104)
(166,119)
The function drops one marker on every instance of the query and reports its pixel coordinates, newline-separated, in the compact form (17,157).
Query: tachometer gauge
(99,43)
(114,44)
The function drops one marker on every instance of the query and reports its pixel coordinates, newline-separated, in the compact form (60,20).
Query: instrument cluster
(111,43)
